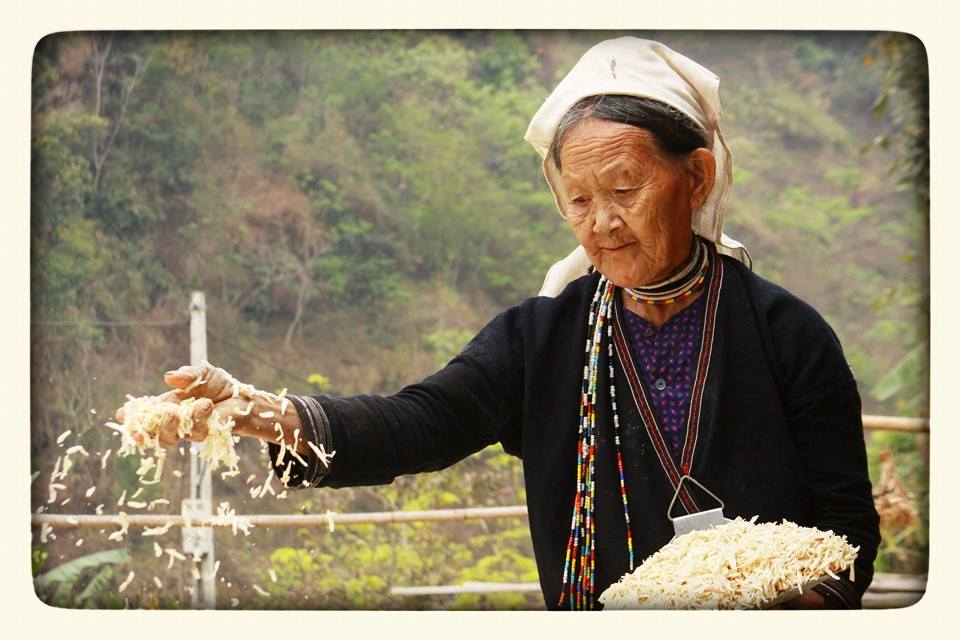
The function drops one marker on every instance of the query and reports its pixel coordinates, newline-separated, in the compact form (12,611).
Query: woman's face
(628,203)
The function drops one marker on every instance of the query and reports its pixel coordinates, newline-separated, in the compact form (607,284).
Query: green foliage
(38,555)
(906,550)
(819,217)
(505,566)
(906,98)
(70,574)
(444,344)
(904,381)
(320,381)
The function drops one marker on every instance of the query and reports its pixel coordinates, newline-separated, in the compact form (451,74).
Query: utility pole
(199,541)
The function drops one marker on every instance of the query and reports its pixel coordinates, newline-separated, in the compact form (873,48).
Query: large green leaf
(903,376)
(70,571)
(95,586)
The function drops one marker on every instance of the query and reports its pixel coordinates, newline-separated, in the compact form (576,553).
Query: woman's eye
(624,190)
(580,200)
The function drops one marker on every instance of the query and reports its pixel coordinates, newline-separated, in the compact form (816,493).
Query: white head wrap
(647,69)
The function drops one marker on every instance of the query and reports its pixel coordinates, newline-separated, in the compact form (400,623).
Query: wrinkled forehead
(600,147)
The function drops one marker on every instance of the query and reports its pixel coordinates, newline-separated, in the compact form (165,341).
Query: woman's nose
(606,218)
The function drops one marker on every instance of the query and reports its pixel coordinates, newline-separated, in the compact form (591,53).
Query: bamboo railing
(894,423)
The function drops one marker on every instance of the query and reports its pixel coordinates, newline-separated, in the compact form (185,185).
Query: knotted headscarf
(647,69)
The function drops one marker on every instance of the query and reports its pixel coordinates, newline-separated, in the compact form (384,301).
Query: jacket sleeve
(824,412)
(473,402)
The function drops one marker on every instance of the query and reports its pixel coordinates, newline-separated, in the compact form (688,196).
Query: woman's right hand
(216,393)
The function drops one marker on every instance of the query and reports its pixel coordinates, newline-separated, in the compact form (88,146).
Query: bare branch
(125,101)
(100,54)
(302,298)
(100,153)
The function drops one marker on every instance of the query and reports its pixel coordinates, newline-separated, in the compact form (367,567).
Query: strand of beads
(579,571)
(568,588)
(616,442)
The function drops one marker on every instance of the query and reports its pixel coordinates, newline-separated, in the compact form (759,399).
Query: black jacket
(779,433)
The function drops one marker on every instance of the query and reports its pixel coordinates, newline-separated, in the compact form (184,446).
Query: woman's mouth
(618,247)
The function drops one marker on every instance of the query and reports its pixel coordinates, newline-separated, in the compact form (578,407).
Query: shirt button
(660,384)
(648,332)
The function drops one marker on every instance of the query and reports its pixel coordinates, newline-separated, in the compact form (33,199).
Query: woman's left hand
(809,600)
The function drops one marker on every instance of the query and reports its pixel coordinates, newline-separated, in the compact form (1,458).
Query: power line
(258,357)
(113,323)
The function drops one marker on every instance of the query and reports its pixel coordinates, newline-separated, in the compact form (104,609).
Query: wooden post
(199,504)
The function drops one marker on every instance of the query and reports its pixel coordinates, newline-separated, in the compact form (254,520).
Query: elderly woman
(654,352)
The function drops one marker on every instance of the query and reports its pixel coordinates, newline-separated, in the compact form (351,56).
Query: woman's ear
(702,173)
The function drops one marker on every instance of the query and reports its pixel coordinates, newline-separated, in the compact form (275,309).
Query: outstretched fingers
(215,382)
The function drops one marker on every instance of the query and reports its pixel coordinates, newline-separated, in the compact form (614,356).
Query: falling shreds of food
(226,515)
(139,434)
(737,565)
(321,453)
(54,487)
(124,527)
(126,582)
(213,574)
(154,503)
(157,531)
(174,555)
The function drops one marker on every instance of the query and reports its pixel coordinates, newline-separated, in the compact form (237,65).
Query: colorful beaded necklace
(687,281)
(579,568)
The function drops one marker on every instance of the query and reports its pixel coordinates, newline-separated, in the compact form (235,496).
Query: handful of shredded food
(143,416)
(738,565)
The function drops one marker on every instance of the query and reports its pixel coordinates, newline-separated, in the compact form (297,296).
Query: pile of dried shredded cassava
(738,565)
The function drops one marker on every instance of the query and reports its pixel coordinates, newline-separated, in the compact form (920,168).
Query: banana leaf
(96,585)
(69,571)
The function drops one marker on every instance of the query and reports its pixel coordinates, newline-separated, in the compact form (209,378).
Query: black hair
(674,131)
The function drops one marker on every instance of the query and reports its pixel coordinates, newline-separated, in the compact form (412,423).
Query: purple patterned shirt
(666,359)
